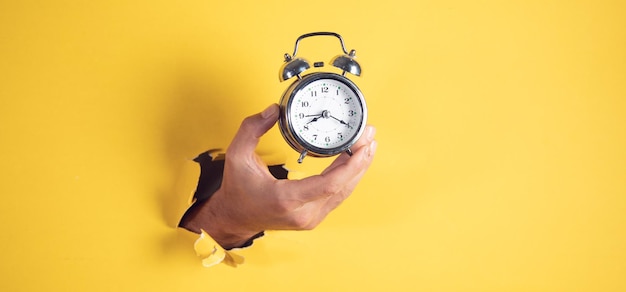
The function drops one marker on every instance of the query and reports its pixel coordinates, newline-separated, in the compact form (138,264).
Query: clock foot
(349,152)
(302,155)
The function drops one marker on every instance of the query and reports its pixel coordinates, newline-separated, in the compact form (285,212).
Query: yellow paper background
(501,125)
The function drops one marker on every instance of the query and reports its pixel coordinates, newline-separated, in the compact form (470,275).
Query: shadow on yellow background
(500,164)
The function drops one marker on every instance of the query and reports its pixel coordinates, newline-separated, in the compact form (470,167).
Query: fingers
(318,195)
(350,183)
(339,179)
(252,128)
(366,138)
(350,172)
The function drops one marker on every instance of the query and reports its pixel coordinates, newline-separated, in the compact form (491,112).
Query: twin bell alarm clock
(322,114)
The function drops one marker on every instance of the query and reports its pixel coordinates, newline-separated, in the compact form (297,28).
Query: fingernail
(269,111)
(372,148)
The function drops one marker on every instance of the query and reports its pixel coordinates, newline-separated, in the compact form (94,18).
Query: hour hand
(313,120)
(317,117)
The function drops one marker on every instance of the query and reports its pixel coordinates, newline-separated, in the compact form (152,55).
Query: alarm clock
(322,114)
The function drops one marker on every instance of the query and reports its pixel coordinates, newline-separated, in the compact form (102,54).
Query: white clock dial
(326,114)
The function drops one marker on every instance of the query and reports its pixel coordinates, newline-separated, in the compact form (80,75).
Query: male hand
(251,200)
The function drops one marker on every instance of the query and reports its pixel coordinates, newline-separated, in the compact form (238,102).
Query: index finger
(338,181)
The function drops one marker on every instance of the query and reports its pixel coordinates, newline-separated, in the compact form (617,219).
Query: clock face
(327,114)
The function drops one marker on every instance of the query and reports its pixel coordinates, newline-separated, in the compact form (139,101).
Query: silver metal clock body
(322,114)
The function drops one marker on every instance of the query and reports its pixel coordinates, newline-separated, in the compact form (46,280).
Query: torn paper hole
(210,180)
(211,174)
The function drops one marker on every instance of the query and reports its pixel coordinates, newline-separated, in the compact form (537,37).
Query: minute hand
(342,122)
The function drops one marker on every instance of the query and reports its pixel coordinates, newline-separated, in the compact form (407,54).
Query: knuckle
(246,126)
(301,222)
(331,188)
(292,215)
(282,207)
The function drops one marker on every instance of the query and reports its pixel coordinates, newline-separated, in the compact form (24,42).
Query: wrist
(214,218)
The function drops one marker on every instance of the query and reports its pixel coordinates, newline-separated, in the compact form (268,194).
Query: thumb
(251,129)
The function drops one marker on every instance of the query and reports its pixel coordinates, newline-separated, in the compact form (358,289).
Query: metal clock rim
(287,129)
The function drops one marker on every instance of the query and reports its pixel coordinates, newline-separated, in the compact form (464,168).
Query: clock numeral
(351,113)
(337,91)
(313,93)
(314,137)
(324,89)
(340,136)
(305,104)
(306,127)
(301,115)
(327,139)
(347,100)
